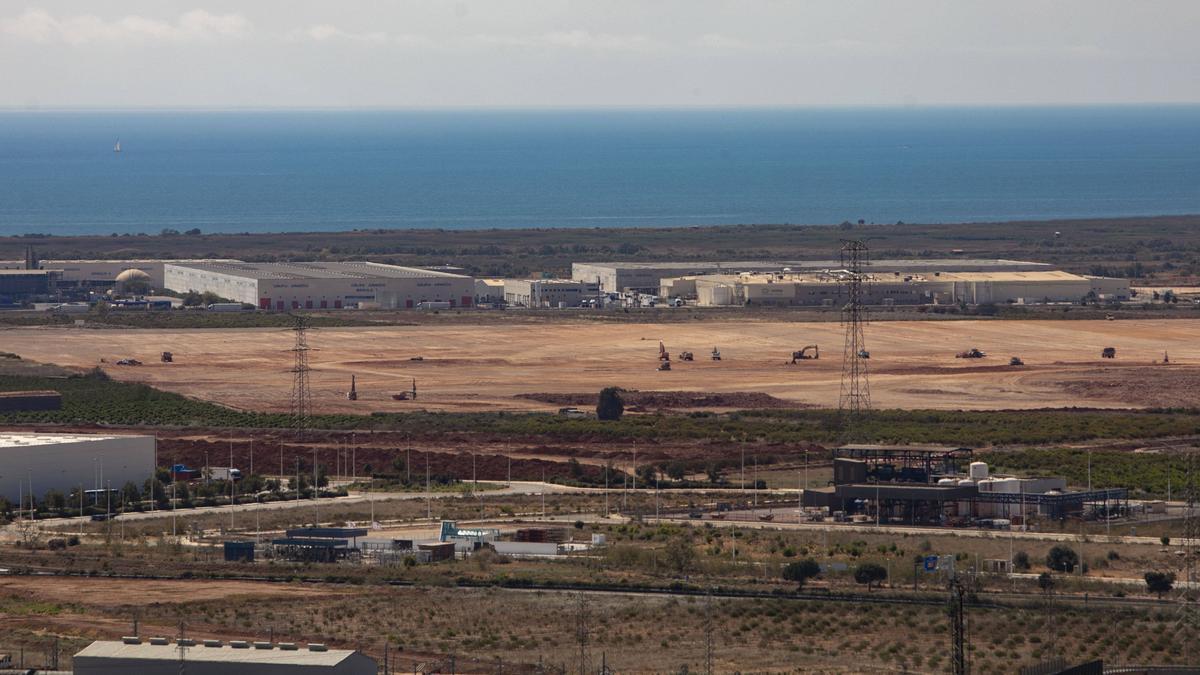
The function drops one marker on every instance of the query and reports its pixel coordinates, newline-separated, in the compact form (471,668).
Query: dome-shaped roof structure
(132,274)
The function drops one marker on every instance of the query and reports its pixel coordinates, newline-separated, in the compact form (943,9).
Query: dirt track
(470,368)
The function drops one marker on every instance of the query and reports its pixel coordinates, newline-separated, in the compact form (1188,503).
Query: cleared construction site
(498,367)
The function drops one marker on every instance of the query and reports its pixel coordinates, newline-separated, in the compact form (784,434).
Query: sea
(290,171)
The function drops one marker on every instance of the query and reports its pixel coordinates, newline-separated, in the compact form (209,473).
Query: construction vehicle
(864,354)
(716,354)
(129,362)
(803,354)
(404,395)
(686,356)
(665,365)
(1109,353)
(663,354)
(971,353)
(1109,317)
(1016,361)
(168,357)
(352,395)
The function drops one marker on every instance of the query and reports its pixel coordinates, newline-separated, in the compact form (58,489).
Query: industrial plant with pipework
(322,285)
(34,463)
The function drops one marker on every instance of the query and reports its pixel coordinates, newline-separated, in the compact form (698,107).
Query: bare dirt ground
(113,592)
(481,368)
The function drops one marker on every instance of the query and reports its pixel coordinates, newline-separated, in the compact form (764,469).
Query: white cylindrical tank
(978,470)
(947,481)
(1007,485)
(987,485)
(966,481)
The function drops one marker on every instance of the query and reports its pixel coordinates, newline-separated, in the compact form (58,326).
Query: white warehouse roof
(24,440)
(316,270)
(112,656)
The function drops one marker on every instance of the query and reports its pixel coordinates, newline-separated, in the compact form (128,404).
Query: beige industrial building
(322,285)
(34,462)
(489,291)
(549,292)
(160,656)
(896,288)
(646,277)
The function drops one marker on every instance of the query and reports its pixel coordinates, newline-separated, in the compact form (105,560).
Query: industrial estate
(835,464)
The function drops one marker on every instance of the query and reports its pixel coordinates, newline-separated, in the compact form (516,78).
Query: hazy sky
(405,53)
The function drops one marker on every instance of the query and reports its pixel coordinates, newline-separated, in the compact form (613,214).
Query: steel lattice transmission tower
(855,396)
(959,663)
(301,394)
(1189,621)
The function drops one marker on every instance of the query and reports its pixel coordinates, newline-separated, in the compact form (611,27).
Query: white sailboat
(117,147)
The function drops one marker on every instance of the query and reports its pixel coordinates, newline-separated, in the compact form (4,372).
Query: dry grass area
(633,634)
(486,367)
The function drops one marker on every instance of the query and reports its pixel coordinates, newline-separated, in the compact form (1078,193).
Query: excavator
(971,353)
(663,354)
(687,356)
(716,354)
(803,354)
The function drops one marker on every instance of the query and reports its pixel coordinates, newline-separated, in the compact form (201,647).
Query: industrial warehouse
(201,657)
(32,463)
(895,288)
(322,285)
(647,277)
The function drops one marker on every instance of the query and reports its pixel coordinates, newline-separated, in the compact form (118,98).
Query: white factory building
(103,273)
(322,285)
(34,462)
(646,277)
(549,292)
(160,656)
(896,288)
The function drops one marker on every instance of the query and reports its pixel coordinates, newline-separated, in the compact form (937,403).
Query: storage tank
(947,481)
(978,470)
(1007,485)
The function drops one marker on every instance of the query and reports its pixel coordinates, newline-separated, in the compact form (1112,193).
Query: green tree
(1046,582)
(677,470)
(1159,582)
(1021,560)
(130,494)
(714,473)
(1062,559)
(54,500)
(801,571)
(870,573)
(610,406)
(680,555)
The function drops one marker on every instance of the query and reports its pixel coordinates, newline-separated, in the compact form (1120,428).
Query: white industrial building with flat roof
(322,285)
(101,273)
(646,277)
(34,462)
(895,288)
(549,292)
(159,656)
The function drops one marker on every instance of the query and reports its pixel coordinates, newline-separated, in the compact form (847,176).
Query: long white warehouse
(32,462)
(321,285)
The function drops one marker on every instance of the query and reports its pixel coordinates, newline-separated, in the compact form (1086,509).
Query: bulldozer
(663,354)
(687,356)
(665,365)
(803,354)
(716,354)
(1109,353)
(971,353)
(1016,361)
(168,357)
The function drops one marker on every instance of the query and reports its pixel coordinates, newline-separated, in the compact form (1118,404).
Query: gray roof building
(212,657)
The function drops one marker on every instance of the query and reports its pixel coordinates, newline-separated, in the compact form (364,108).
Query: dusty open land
(482,368)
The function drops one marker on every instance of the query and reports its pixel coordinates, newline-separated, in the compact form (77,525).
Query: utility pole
(958,628)
(428,494)
(708,635)
(581,632)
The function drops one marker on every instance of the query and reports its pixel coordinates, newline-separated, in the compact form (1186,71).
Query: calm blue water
(292,171)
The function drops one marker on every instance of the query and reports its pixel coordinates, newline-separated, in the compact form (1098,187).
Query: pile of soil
(671,399)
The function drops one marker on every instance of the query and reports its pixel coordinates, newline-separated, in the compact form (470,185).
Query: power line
(855,395)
